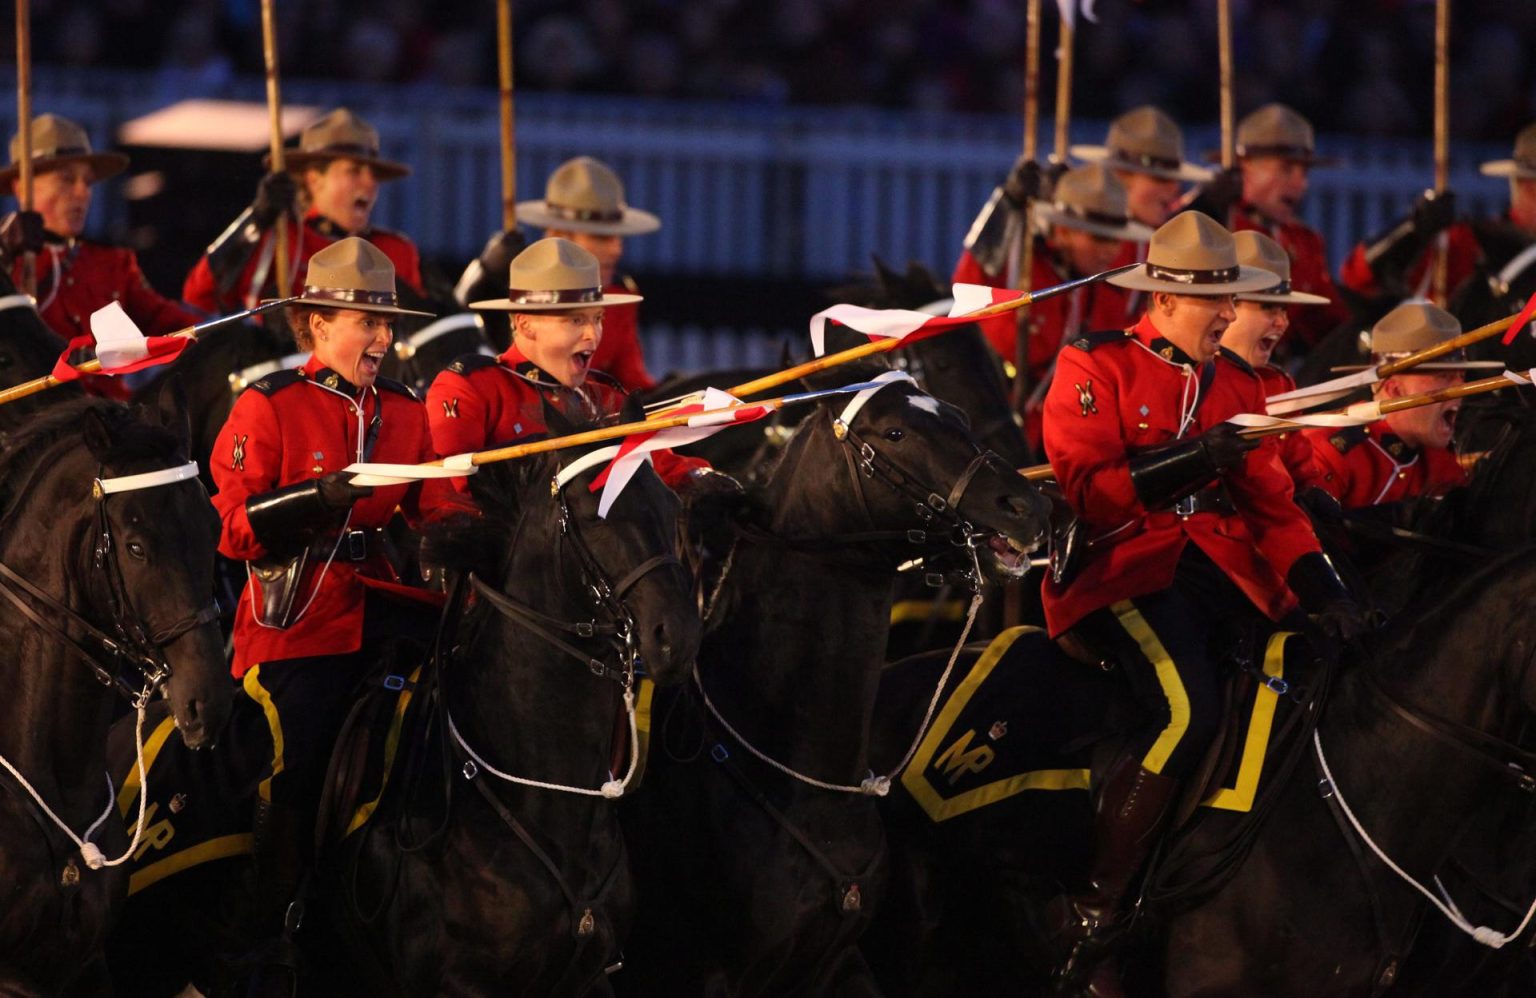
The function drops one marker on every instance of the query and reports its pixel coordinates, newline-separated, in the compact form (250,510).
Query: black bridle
(612,619)
(135,647)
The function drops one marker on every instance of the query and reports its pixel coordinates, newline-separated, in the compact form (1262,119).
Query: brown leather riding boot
(1131,810)
(280,857)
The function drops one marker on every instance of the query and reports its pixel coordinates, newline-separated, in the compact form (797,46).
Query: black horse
(102,573)
(28,349)
(755,880)
(474,880)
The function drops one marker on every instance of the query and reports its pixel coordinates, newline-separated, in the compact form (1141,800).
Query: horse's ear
(100,435)
(172,409)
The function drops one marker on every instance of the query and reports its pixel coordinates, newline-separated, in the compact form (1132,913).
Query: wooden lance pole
(275,115)
(24,133)
(1224,40)
(1442,138)
(1027,230)
(508,117)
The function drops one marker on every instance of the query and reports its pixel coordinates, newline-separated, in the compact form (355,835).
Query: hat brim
(1188,172)
(297,162)
(1506,168)
(507,305)
(1429,365)
(1046,214)
(352,306)
(1248,279)
(102,164)
(633,223)
(1290,298)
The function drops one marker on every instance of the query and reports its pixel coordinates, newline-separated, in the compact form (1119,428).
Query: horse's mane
(480,540)
(132,439)
(1434,624)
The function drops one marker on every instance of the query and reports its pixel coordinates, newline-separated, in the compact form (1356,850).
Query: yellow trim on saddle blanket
(391,746)
(921,611)
(1239,796)
(222,847)
(645,691)
(939,808)
(130,791)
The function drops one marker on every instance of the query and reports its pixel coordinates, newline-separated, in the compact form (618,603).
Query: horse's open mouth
(1006,559)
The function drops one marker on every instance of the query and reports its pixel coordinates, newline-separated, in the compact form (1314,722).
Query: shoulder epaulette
(1242,365)
(1088,341)
(271,384)
(1346,439)
(391,385)
(470,363)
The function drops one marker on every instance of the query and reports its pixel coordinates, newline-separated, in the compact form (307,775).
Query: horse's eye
(895,433)
(136,549)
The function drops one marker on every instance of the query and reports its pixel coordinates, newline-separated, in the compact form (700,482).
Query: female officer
(320,591)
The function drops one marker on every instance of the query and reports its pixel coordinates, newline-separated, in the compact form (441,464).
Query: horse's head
(900,461)
(131,527)
(28,349)
(619,571)
(419,357)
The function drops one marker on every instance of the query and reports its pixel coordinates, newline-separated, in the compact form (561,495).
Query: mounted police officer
(558,307)
(1261,320)
(1276,150)
(1192,530)
(1409,453)
(334,175)
(584,204)
(77,276)
(321,596)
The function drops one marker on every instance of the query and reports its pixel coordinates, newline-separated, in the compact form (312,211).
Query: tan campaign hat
(352,273)
(1144,140)
(58,141)
(585,195)
(1414,326)
(550,275)
(1524,162)
(1277,130)
(1090,198)
(342,135)
(1192,254)
(1258,250)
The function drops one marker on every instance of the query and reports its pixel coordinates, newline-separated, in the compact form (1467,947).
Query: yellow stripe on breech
(254,689)
(1168,678)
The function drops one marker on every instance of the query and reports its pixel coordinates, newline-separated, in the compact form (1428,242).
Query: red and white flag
(906,324)
(120,346)
(716,411)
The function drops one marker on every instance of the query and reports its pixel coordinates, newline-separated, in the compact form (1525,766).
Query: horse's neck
(54,716)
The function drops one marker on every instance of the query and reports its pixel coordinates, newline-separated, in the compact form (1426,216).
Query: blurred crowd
(1362,66)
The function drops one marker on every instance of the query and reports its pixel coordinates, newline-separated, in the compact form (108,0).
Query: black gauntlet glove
(276,195)
(1323,594)
(1222,191)
(287,518)
(1029,180)
(1433,213)
(1164,474)
(20,232)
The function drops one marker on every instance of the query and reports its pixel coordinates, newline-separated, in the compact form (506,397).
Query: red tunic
(619,354)
(1116,394)
(1052,323)
(290,427)
(1309,271)
(202,287)
(1463,254)
(1295,451)
(1371,465)
(480,402)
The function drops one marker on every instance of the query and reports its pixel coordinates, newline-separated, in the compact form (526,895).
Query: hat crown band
(575,214)
(358,149)
(555,296)
(350,295)
(1182,275)
(1090,214)
(1159,158)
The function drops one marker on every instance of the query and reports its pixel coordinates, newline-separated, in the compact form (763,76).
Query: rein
(133,645)
(929,506)
(617,630)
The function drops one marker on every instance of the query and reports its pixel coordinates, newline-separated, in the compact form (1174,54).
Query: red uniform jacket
(1118,393)
(290,427)
(479,402)
(202,287)
(1295,450)
(1309,271)
(1370,465)
(1463,254)
(619,354)
(1052,323)
(74,280)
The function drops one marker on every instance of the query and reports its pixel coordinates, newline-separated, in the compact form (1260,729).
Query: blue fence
(800,194)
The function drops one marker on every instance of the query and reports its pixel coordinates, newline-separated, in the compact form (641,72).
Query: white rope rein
(611,789)
(1489,937)
(89,851)
(872,785)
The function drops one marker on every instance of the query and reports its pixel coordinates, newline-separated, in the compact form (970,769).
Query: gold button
(1141,426)
(1402,474)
